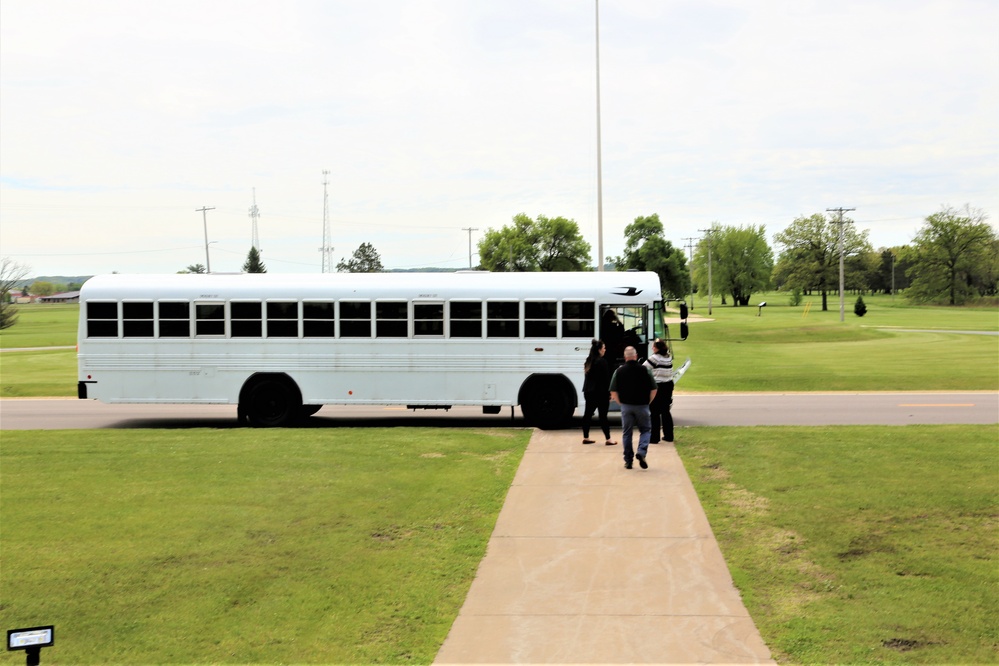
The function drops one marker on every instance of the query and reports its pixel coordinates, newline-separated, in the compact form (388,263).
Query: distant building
(64,297)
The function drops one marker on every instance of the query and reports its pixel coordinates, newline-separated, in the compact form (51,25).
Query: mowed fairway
(849,545)
(264,546)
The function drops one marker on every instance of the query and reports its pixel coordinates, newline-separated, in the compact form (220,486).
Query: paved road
(732,409)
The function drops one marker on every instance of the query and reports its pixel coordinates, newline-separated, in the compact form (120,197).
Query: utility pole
(469,230)
(690,259)
(204,217)
(892,277)
(327,248)
(254,215)
(710,284)
(842,283)
(600,184)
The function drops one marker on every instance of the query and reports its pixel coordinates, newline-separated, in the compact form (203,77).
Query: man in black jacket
(633,387)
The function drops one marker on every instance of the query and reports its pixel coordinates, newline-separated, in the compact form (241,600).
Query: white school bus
(279,347)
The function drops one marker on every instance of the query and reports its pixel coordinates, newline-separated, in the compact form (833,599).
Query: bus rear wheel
(271,402)
(546,404)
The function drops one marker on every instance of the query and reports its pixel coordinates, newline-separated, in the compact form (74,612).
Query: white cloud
(119,119)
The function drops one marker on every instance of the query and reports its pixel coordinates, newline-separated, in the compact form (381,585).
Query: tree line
(954,257)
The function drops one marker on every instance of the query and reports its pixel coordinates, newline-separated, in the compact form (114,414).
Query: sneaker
(627,465)
(587,441)
(641,461)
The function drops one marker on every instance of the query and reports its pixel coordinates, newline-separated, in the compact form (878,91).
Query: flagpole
(600,185)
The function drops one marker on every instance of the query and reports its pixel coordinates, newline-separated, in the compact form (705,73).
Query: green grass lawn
(42,326)
(787,349)
(268,546)
(858,544)
(850,545)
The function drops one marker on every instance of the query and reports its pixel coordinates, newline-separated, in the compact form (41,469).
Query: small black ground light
(31,640)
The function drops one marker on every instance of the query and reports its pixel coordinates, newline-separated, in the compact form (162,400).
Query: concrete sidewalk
(593,563)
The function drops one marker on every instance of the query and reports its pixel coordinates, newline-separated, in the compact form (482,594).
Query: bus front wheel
(546,404)
(271,402)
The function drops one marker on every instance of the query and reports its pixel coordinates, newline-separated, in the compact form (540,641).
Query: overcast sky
(118,119)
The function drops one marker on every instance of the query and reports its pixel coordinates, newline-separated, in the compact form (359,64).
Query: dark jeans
(635,416)
(598,401)
(661,417)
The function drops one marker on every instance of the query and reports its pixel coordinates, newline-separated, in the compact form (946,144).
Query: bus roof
(606,287)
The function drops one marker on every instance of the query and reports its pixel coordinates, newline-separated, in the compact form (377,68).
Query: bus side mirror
(683,310)
(683,330)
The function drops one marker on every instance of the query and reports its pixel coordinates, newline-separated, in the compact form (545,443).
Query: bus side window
(577,319)
(246,319)
(503,319)
(174,319)
(428,319)
(282,319)
(540,319)
(355,319)
(391,319)
(209,319)
(102,319)
(465,319)
(137,319)
(318,319)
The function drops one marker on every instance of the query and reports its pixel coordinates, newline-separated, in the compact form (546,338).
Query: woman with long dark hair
(596,390)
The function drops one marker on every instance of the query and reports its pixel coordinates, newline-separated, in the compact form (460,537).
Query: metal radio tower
(327,248)
(254,215)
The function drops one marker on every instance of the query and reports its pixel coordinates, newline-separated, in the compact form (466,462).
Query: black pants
(598,401)
(661,417)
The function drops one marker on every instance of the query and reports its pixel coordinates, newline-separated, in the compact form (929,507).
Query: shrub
(860,308)
(795,297)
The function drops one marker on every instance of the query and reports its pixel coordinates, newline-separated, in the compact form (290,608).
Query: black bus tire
(546,403)
(271,401)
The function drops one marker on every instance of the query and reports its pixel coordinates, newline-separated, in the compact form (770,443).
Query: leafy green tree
(986,280)
(364,260)
(194,268)
(810,258)
(545,244)
(889,266)
(742,261)
(42,288)
(949,254)
(253,263)
(646,249)
(11,273)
